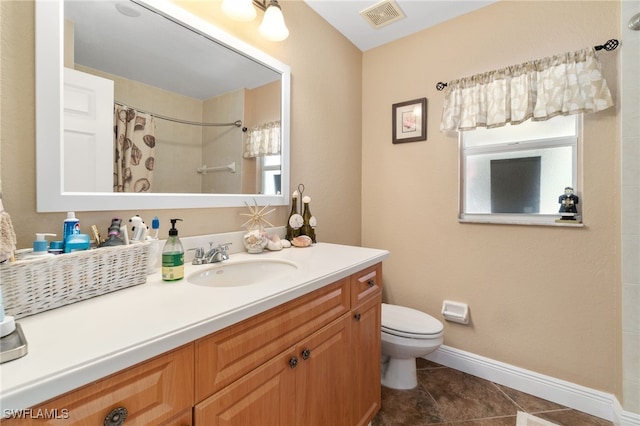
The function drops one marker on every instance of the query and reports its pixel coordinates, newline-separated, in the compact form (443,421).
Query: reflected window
(514,174)
(271,176)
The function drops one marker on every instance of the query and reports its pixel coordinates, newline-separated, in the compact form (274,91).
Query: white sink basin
(242,273)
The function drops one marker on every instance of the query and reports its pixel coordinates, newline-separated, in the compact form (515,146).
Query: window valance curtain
(263,139)
(564,84)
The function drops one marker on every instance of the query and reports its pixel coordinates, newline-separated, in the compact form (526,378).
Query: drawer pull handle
(306,353)
(371,283)
(116,417)
(293,362)
(357,316)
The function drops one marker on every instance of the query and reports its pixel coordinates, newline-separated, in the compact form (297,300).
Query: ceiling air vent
(382,13)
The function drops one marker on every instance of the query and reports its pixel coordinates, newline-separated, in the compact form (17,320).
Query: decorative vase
(255,240)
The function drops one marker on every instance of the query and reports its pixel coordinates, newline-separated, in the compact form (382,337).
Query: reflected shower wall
(181,148)
(223,145)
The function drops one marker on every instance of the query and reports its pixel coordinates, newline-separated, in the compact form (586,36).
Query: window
(515,174)
(271,183)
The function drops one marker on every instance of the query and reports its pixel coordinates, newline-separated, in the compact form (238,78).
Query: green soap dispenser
(173,256)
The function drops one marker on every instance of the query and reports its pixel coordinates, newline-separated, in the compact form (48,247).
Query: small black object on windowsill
(568,207)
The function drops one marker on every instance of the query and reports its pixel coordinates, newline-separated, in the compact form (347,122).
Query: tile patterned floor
(445,396)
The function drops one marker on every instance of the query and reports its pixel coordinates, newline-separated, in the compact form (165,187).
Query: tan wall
(542,298)
(259,108)
(223,145)
(325,131)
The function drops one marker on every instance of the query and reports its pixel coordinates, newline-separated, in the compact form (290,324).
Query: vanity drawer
(158,392)
(366,284)
(232,352)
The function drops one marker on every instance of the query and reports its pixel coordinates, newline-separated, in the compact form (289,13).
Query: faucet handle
(224,249)
(198,259)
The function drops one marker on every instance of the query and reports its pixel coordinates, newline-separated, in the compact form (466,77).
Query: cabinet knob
(357,316)
(293,362)
(306,353)
(116,417)
(371,283)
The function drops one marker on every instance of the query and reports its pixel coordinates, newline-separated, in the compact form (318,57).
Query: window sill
(518,219)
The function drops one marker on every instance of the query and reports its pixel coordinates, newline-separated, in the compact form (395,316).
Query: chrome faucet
(214,255)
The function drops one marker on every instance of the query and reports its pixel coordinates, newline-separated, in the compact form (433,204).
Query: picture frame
(409,121)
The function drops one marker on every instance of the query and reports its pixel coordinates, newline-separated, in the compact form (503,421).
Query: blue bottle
(71,226)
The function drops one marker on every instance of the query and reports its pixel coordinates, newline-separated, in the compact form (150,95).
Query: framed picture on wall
(409,121)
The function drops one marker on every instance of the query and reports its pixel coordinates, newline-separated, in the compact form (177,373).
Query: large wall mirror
(142,105)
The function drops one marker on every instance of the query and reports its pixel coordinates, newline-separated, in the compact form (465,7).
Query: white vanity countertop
(76,344)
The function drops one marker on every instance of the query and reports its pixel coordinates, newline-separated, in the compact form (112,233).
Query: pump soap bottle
(173,256)
(40,246)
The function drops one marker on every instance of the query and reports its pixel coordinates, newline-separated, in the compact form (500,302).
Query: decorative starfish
(256,216)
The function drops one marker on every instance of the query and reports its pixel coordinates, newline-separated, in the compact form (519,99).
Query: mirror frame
(49,121)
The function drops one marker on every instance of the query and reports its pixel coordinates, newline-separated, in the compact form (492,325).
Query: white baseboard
(591,401)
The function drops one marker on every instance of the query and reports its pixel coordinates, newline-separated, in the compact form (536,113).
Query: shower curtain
(134,146)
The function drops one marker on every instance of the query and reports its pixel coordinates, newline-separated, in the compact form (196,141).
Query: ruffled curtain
(263,139)
(134,150)
(564,84)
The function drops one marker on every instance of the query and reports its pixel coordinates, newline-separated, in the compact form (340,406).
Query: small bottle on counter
(309,221)
(113,238)
(71,226)
(56,247)
(295,220)
(173,256)
(40,246)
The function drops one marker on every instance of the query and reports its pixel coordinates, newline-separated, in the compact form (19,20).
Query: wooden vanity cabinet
(155,392)
(312,361)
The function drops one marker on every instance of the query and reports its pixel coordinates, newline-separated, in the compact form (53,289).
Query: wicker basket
(36,285)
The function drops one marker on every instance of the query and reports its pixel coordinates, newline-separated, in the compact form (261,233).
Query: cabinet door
(153,393)
(323,376)
(265,396)
(365,338)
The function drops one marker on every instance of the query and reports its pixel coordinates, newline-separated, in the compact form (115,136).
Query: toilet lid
(407,322)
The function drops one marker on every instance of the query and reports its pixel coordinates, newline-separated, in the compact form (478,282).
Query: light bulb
(273,27)
(239,10)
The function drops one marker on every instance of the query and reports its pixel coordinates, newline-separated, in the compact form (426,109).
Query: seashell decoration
(255,240)
(301,241)
(274,243)
(136,155)
(149,140)
(142,185)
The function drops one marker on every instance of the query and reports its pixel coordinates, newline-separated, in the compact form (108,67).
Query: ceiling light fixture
(272,28)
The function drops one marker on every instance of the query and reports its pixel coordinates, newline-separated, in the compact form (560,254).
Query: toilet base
(400,374)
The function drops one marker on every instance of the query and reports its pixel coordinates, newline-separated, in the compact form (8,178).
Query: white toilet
(406,335)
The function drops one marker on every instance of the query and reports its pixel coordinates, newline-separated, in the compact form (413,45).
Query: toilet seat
(407,322)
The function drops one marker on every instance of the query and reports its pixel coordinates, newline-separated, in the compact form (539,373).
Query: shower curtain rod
(237,123)
(608,46)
